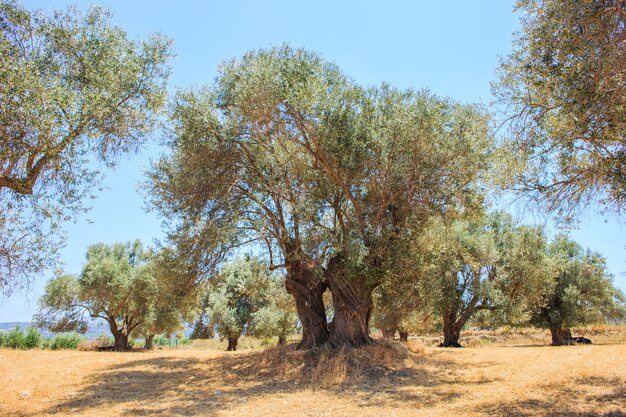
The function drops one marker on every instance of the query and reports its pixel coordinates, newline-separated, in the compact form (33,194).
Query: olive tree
(288,151)
(580,291)
(118,284)
(564,93)
(75,95)
(277,316)
(241,289)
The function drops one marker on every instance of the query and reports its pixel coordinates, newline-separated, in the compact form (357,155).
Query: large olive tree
(287,151)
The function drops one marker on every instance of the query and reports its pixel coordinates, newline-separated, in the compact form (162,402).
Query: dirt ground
(482,381)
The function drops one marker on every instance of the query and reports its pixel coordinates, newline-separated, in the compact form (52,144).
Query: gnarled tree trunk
(282,340)
(232,343)
(352,302)
(120,336)
(451,331)
(121,341)
(307,288)
(561,336)
(149,342)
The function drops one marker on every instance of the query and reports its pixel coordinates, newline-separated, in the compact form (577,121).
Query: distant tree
(277,315)
(235,294)
(73,90)
(565,91)
(173,299)
(202,327)
(479,264)
(116,285)
(579,292)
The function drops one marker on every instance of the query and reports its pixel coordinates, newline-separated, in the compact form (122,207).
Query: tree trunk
(232,343)
(121,341)
(120,336)
(282,340)
(352,302)
(149,345)
(404,336)
(305,285)
(451,331)
(560,336)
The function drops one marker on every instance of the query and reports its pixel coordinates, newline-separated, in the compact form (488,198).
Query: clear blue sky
(450,47)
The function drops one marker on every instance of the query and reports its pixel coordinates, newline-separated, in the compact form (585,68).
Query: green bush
(15,339)
(63,341)
(33,339)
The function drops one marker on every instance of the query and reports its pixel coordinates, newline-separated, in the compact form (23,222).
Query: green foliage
(122,284)
(17,339)
(276,314)
(245,296)
(580,291)
(14,339)
(33,339)
(75,94)
(173,295)
(479,264)
(285,149)
(564,88)
(63,341)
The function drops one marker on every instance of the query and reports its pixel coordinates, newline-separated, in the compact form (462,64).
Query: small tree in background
(277,317)
(247,297)
(480,264)
(580,291)
(240,289)
(173,297)
(116,285)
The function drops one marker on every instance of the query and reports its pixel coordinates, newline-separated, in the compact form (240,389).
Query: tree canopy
(579,291)
(286,150)
(245,297)
(118,284)
(75,94)
(565,91)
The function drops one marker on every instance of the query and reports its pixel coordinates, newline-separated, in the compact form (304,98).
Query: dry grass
(384,379)
(507,336)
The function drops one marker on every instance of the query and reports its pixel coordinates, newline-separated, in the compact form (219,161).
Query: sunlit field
(389,378)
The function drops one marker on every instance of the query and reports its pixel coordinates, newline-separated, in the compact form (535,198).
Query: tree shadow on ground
(573,399)
(172,386)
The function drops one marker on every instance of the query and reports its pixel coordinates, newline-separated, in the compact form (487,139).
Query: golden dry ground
(483,381)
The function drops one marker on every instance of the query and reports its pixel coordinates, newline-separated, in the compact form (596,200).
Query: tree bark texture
(388,332)
(561,336)
(404,335)
(121,341)
(451,331)
(307,288)
(352,302)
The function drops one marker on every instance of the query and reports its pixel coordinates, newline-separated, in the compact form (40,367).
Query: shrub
(15,339)
(63,341)
(33,339)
